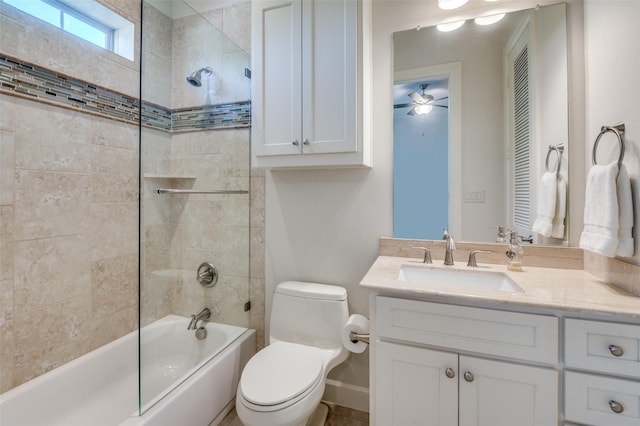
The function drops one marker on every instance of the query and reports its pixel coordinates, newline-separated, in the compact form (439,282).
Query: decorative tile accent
(19,78)
(236,114)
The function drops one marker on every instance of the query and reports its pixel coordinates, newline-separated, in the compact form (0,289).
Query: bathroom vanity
(561,346)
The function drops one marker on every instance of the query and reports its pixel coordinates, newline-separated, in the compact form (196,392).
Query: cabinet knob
(450,373)
(616,407)
(468,376)
(616,350)
(306,142)
(295,142)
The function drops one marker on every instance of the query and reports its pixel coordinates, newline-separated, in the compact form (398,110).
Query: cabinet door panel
(277,83)
(412,387)
(505,394)
(329,76)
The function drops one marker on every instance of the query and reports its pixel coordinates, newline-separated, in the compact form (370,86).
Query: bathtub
(101,387)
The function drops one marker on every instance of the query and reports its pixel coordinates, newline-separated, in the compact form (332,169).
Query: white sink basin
(457,278)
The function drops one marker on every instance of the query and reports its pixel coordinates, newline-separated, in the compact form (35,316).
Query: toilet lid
(280,372)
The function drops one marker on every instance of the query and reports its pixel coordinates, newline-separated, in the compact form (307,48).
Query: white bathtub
(101,387)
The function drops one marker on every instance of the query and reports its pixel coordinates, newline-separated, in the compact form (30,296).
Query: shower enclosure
(195,178)
(124,166)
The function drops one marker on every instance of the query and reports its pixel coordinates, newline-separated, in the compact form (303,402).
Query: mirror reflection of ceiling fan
(422,103)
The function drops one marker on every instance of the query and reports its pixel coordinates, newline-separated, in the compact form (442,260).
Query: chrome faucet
(204,314)
(450,246)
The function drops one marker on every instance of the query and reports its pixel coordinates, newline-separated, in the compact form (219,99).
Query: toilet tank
(308,313)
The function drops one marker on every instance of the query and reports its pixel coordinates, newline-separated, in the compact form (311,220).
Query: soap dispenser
(514,253)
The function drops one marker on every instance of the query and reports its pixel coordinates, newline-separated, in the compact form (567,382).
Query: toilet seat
(280,375)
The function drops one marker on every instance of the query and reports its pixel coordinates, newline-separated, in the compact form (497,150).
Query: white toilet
(283,383)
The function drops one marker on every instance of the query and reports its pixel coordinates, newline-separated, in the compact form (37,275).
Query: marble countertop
(545,288)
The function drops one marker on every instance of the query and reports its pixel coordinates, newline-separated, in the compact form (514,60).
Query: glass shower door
(195,203)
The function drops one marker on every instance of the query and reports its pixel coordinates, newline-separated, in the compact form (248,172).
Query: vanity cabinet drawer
(506,334)
(603,347)
(601,401)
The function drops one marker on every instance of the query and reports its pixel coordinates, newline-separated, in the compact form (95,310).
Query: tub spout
(204,314)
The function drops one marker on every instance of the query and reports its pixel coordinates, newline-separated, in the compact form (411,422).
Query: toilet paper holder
(358,337)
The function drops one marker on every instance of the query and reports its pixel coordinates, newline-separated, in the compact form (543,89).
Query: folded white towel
(557,230)
(625,214)
(601,222)
(543,224)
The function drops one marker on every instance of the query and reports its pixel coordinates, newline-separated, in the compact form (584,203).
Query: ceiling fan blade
(417,97)
(404,105)
(412,111)
(439,99)
(441,106)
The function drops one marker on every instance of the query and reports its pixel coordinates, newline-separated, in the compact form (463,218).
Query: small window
(85,19)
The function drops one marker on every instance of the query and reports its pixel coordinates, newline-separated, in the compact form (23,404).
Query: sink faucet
(204,314)
(450,246)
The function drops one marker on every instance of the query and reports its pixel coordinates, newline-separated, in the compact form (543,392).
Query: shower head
(195,78)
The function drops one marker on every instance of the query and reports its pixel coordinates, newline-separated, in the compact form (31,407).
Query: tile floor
(338,416)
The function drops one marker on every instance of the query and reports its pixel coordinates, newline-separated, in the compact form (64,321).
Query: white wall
(613,86)
(324,225)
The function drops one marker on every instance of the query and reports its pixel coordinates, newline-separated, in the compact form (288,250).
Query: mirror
(497,97)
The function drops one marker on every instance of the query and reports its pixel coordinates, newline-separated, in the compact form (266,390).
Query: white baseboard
(346,395)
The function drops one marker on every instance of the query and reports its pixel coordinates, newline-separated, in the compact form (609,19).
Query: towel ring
(618,129)
(558,149)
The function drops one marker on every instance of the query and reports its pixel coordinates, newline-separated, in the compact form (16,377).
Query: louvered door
(520,93)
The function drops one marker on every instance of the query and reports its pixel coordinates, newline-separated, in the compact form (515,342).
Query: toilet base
(319,417)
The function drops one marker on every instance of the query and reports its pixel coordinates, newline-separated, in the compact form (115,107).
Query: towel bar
(196,191)
(619,130)
(558,149)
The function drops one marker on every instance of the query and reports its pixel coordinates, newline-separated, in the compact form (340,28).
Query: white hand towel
(543,224)
(557,230)
(600,233)
(625,214)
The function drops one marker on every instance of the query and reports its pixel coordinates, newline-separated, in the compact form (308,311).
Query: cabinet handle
(616,350)
(306,142)
(616,407)
(450,373)
(295,142)
(468,376)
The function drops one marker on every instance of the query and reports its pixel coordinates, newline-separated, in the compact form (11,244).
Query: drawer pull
(450,373)
(616,350)
(468,376)
(295,142)
(616,407)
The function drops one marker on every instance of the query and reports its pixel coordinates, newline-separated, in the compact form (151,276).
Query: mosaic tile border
(19,78)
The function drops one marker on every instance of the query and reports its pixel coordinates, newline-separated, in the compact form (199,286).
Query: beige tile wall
(68,236)
(68,207)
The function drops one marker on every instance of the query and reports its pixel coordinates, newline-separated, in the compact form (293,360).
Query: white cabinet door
(499,393)
(412,387)
(329,82)
(310,85)
(277,77)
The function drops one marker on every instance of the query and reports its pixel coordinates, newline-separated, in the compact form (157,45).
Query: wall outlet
(474,196)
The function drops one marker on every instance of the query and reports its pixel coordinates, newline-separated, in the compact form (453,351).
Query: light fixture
(450,26)
(451,4)
(423,109)
(488,20)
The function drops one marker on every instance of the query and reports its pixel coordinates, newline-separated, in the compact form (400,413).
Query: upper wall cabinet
(310,86)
